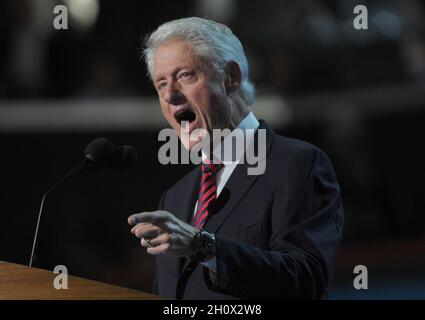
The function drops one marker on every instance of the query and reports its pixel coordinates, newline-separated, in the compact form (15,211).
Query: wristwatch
(203,245)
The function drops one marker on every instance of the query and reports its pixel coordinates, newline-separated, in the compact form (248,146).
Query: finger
(138,225)
(155,241)
(145,243)
(133,219)
(154,217)
(147,231)
(162,248)
(160,239)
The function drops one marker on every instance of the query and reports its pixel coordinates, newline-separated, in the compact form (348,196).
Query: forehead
(174,55)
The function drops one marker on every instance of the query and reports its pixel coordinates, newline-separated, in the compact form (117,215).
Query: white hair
(211,40)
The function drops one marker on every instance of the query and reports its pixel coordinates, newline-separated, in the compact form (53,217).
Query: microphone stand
(80,167)
(98,154)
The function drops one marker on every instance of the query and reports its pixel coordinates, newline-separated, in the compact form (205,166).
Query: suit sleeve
(306,225)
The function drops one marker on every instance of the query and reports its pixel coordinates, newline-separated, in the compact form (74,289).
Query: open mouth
(185,115)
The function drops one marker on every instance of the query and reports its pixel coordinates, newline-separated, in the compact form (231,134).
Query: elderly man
(221,233)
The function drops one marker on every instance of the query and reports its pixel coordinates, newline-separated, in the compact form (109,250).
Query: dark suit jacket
(277,233)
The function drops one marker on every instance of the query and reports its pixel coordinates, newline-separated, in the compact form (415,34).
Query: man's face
(189,90)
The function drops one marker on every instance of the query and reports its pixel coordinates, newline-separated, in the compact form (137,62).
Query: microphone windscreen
(122,158)
(98,152)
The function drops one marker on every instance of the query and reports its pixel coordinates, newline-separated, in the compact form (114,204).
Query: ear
(233,77)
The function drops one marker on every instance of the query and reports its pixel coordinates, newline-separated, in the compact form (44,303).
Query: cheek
(218,106)
(204,101)
(166,112)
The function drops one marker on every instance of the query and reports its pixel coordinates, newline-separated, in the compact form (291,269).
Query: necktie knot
(211,167)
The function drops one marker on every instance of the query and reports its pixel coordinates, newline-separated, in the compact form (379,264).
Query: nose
(173,95)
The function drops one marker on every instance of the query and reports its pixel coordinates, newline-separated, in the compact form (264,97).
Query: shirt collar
(250,122)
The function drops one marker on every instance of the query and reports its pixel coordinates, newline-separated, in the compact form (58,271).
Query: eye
(185,75)
(161,85)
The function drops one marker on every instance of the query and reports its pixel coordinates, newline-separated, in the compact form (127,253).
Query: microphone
(99,154)
(122,158)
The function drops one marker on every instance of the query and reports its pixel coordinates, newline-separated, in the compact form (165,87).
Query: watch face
(203,242)
(203,245)
(197,242)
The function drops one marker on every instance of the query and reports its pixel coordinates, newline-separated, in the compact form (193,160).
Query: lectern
(21,282)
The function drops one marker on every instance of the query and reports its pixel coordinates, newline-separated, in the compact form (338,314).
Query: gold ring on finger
(148,241)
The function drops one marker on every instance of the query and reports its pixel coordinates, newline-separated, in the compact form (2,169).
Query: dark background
(357,94)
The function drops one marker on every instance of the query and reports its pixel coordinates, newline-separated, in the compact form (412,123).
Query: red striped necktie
(207,193)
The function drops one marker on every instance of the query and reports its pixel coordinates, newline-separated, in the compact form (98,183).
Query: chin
(190,144)
(193,144)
